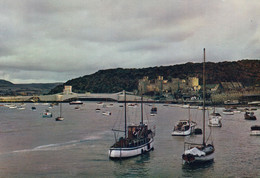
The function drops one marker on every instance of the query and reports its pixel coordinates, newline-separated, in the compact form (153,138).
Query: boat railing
(126,143)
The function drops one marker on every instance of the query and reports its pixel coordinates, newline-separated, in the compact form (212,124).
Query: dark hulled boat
(250,116)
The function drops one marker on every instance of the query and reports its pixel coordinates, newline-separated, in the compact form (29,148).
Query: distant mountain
(4,83)
(8,88)
(113,80)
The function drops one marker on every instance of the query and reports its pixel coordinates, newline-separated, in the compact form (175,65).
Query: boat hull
(76,103)
(118,153)
(255,133)
(59,119)
(184,133)
(47,115)
(200,159)
(228,113)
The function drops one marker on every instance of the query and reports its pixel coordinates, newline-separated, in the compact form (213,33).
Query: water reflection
(201,168)
(132,167)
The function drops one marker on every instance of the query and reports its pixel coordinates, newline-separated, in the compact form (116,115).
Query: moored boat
(11,106)
(202,152)
(255,130)
(60,118)
(20,107)
(98,110)
(47,114)
(184,127)
(215,119)
(137,140)
(76,102)
(106,113)
(250,116)
(153,111)
(228,112)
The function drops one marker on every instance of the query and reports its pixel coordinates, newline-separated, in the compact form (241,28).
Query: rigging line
(146,115)
(210,133)
(136,118)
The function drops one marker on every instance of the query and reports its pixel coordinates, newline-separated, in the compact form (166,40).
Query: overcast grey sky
(54,41)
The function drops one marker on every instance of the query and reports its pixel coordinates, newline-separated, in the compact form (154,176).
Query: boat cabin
(137,135)
(137,131)
(182,126)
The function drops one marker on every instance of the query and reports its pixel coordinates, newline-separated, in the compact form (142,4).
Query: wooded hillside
(113,80)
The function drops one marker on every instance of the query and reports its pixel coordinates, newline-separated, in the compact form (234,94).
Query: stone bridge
(73,96)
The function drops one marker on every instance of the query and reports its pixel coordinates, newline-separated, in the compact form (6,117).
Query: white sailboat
(60,118)
(137,140)
(215,119)
(184,127)
(202,152)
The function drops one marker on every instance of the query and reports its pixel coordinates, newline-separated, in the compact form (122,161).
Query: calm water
(32,146)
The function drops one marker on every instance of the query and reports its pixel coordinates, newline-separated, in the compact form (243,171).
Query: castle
(160,85)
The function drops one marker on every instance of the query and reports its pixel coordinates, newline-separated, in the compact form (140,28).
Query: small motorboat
(20,107)
(228,112)
(33,108)
(107,113)
(47,114)
(250,116)
(76,102)
(132,105)
(11,106)
(153,111)
(110,105)
(59,118)
(235,110)
(98,110)
(255,130)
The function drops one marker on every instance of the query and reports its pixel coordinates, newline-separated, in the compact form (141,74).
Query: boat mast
(60,109)
(204,91)
(189,116)
(142,114)
(125,110)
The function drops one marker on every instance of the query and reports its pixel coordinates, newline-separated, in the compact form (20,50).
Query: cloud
(63,39)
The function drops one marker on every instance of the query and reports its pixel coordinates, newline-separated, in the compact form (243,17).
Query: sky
(44,41)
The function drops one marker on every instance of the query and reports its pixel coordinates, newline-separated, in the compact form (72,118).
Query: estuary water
(32,146)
